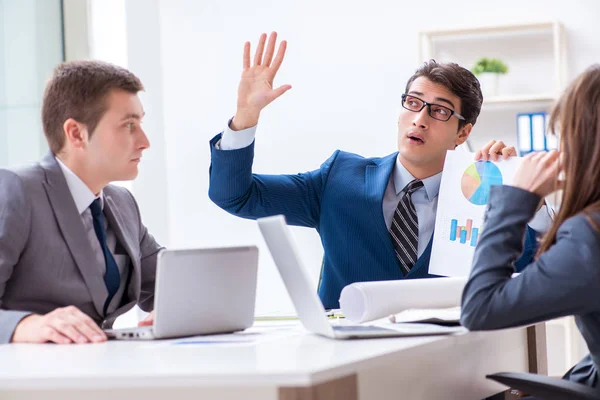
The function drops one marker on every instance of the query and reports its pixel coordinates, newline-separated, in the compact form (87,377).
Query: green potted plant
(488,71)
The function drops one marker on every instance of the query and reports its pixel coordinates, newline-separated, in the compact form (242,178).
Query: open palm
(256,91)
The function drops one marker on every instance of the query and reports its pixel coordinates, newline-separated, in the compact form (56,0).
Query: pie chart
(477,180)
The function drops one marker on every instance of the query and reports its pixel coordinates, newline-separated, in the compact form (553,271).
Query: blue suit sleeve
(563,281)
(234,188)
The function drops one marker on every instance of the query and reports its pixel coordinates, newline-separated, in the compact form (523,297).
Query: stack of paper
(439,316)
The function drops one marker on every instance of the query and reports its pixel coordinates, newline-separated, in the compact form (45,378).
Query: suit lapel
(377,178)
(73,231)
(125,237)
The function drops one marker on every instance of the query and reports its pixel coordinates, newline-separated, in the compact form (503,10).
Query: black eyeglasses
(441,113)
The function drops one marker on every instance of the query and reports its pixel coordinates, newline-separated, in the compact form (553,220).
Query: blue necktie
(112,279)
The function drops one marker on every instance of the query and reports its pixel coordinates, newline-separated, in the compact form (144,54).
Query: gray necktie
(404,230)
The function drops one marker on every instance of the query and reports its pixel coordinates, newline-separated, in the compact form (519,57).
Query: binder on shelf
(538,133)
(524,133)
(532,133)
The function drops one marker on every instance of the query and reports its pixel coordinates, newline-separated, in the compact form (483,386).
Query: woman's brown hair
(577,117)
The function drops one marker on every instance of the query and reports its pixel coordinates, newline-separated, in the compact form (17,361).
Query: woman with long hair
(565,277)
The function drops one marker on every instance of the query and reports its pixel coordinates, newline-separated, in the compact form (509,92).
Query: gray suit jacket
(45,253)
(565,280)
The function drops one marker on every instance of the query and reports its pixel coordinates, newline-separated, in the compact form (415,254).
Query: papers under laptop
(310,310)
(445,316)
(200,292)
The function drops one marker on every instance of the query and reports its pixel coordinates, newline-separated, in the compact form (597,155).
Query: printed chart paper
(464,192)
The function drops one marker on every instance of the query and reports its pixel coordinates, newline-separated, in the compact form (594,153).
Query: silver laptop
(200,291)
(308,305)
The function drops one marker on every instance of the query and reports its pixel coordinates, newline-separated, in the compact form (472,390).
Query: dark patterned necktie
(112,279)
(405,228)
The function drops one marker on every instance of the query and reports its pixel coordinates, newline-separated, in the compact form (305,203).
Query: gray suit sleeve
(15,222)
(149,250)
(564,280)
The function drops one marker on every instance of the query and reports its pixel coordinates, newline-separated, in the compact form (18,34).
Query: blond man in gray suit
(74,253)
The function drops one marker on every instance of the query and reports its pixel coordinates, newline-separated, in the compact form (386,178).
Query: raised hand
(255,90)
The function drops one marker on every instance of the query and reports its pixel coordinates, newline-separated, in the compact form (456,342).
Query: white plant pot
(489,83)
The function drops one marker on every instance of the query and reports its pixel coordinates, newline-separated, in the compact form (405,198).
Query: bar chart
(464,234)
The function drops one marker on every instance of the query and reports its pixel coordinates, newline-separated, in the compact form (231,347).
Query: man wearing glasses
(375,216)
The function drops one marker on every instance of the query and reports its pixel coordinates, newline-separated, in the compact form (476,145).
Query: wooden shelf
(484,30)
(519,99)
(429,44)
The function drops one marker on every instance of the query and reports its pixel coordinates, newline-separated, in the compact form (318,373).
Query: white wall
(347,61)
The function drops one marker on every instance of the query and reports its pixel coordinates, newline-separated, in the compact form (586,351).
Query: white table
(283,363)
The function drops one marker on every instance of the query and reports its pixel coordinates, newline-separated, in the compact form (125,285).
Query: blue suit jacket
(342,200)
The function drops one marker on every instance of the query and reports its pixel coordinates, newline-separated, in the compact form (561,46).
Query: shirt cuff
(235,140)
(542,220)
(10,319)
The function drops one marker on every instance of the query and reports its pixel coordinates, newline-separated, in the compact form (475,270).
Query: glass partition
(31,45)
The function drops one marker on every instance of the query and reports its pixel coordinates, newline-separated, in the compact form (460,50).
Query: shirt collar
(81,193)
(402,178)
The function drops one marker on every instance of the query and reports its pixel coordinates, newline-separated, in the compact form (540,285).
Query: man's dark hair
(459,81)
(78,90)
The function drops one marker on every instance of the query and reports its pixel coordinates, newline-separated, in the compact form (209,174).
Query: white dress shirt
(83,198)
